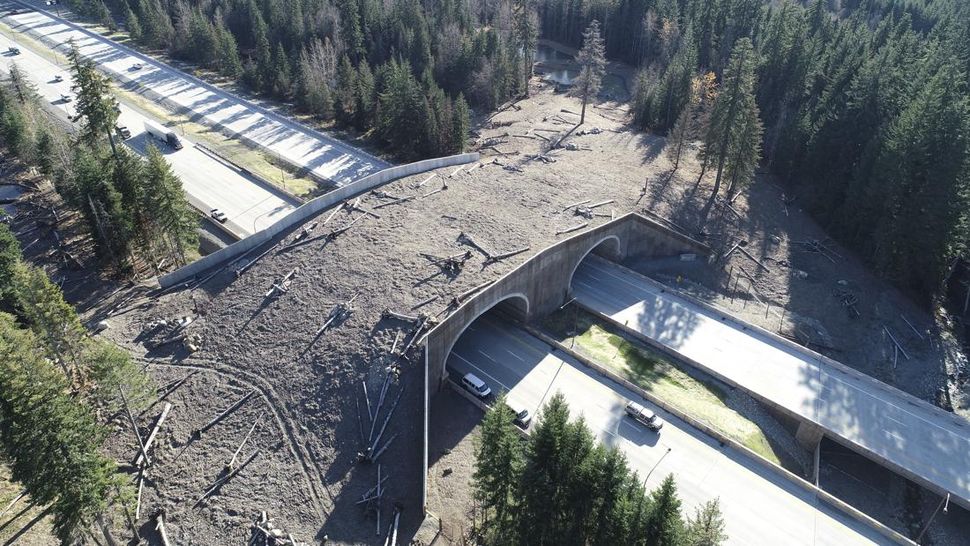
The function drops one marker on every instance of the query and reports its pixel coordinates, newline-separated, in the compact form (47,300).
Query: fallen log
(571,229)
(225,413)
(151,437)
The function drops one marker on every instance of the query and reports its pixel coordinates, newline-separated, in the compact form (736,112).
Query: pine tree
(172,213)
(133,24)
(921,186)
(542,476)
(23,88)
(498,463)
(460,124)
(668,98)
(525,36)
(53,441)
(592,66)
(364,95)
(280,83)
(731,118)
(9,258)
(706,528)
(94,101)
(345,97)
(665,527)
(227,55)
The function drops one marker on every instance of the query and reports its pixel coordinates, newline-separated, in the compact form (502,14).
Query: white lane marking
(483,353)
(515,355)
(483,372)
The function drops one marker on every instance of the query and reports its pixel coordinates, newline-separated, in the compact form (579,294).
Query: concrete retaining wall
(309,209)
(822,495)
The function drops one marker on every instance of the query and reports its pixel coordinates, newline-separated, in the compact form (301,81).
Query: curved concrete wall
(309,209)
(544,280)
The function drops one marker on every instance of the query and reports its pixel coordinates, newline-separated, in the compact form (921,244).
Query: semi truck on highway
(164,134)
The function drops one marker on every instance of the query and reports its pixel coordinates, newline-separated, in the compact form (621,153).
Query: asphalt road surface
(759,507)
(317,152)
(250,206)
(892,425)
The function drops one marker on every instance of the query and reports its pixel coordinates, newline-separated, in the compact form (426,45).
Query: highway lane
(894,426)
(319,153)
(759,506)
(209,183)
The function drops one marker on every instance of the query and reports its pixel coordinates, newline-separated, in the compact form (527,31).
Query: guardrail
(314,206)
(700,425)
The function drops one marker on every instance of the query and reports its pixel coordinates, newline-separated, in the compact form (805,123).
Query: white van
(522,416)
(475,385)
(645,416)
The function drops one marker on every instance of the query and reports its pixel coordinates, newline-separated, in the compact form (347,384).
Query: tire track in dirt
(309,469)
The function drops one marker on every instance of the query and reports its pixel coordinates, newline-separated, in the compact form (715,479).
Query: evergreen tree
(227,54)
(172,213)
(9,258)
(525,36)
(50,438)
(542,477)
(706,528)
(346,95)
(460,124)
(498,463)
(668,98)
(281,82)
(734,116)
(592,66)
(401,110)
(665,527)
(364,95)
(921,186)
(94,101)
(133,24)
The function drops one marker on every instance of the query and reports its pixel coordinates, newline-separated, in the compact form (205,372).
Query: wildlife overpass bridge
(915,439)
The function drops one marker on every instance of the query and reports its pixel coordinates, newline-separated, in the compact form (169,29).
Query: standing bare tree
(592,63)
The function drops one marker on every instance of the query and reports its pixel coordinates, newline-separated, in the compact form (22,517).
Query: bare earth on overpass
(324,156)
(852,408)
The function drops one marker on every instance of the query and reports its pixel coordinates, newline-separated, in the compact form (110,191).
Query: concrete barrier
(309,209)
(824,496)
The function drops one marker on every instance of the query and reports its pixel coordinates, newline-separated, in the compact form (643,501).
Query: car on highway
(13,50)
(522,416)
(123,132)
(218,216)
(476,386)
(58,78)
(66,98)
(644,416)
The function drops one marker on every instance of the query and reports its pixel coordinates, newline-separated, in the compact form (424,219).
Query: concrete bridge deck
(920,441)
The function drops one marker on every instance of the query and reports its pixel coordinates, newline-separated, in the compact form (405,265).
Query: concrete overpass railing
(309,209)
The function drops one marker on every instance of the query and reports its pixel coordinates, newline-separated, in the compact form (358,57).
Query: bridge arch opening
(607,247)
(512,306)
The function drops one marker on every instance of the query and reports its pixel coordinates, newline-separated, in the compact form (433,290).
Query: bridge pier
(809,435)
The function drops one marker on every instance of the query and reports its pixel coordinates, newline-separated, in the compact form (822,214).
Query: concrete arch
(519,302)
(613,254)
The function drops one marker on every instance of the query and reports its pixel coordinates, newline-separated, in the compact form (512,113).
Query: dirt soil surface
(307,473)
